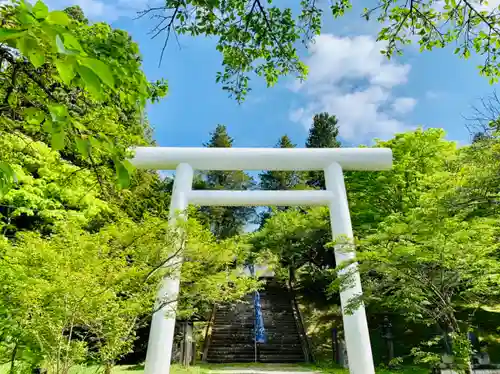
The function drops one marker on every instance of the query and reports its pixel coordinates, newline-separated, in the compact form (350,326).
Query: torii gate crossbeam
(331,160)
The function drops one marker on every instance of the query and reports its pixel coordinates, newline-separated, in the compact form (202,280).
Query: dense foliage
(427,239)
(81,256)
(77,86)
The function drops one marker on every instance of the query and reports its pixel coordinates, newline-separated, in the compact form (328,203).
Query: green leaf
(23,44)
(58,112)
(25,5)
(40,10)
(36,57)
(26,17)
(7,34)
(57,140)
(66,70)
(60,45)
(72,43)
(34,116)
(58,17)
(7,177)
(83,146)
(100,69)
(122,174)
(94,142)
(47,126)
(90,79)
(30,48)
(128,165)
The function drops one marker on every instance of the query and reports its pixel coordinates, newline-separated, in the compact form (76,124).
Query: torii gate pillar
(331,160)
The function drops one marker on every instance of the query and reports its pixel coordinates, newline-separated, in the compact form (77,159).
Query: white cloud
(431,95)
(105,10)
(403,105)
(94,9)
(487,6)
(349,77)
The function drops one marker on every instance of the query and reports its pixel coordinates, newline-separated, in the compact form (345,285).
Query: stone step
(234,324)
(284,325)
(281,360)
(225,351)
(243,338)
(271,341)
(231,358)
(284,353)
(270,331)
(237,336)
(281,350)
(242,345)
(233,338)
(228,343)
(234,318)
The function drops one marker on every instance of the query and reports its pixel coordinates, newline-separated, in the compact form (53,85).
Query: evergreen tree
(279,180)
(322,134)
(225,222)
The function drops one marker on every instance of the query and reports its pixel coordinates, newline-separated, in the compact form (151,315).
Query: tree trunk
(13,359)
(108,367)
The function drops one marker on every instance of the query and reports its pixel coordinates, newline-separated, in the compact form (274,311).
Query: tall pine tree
(225,222)
(322,134)
(280,180)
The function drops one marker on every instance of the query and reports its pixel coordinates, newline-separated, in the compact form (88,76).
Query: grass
(208,368)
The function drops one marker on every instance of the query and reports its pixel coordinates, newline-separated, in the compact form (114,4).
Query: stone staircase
(232,337)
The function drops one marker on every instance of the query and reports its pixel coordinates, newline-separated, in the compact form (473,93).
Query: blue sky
(371,96)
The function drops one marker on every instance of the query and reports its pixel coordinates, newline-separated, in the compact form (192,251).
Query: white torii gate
(331,160)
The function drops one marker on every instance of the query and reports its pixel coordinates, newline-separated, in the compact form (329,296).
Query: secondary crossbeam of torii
(332,161)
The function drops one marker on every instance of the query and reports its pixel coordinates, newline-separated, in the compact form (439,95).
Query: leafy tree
(427,267)
(471,26)
(372,197)
(435,261)
(296,238)
(431,256)
(79,296)
(56,175)
(261,37)
(76,13)
(376,195)
(322,134)
(219,138)
(478,180)
(225,222)
(54,89)
(49,191)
